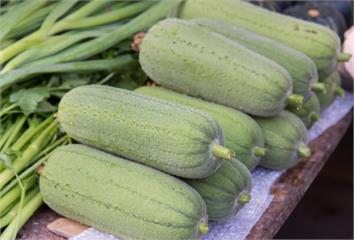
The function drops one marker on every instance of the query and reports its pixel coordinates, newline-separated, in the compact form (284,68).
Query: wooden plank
(288,191)
(292,185)
(66,228)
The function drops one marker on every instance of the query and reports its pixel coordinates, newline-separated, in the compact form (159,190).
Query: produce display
(204,64)
(85,129)
(301,68)
(242,133)
(175,139)
(317,42)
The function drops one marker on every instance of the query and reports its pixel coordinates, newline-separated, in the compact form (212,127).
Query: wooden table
(288,190)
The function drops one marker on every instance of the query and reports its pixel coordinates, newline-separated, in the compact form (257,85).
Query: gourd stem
(343,57)
(259,151)
(137,40)
(304,150)
(295,100)
(203,228)
(319,87)
(339,91)
(222,152)
(244,198)
(314,116)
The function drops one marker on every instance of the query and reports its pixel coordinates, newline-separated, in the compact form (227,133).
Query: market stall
(194,119)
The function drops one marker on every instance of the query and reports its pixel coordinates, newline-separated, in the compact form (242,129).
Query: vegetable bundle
(46,49)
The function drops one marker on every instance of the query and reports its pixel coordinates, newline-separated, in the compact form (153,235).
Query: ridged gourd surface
(121,197)
(169,137)
(331,83)
(191,59)
(283,135)
(222,189)
(318,42)
(301,68)
(242,133)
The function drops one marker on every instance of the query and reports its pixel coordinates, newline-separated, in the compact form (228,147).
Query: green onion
(11,214)
(31,151)
(15,193)
(119,63)
(18,13)
(27,211)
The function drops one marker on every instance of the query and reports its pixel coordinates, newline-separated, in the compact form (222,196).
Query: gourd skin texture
(284,134)
(318,42)
(309,111)
(242,133)
(301,68)
(221,190)
(331,83)
(121,197)
(191,59)
(172,138)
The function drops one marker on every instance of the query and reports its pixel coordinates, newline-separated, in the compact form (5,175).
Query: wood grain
(66,228)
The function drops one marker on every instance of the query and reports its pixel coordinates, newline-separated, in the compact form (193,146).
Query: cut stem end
(295,100)
(259,151)
(343,57)
(222,152)
(314,116)
(203,228)
(304,150)
(137,40)
(339,91)
(244,198)
(319,87)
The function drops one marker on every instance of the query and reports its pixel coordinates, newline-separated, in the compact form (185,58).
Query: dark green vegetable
(22,74)
(285,139)
(226,191)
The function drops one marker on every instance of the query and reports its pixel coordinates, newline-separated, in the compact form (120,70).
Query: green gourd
(301,68)
(226,191)
(188,58)
(242,133)
(285,139)
(121,197)
(175,139)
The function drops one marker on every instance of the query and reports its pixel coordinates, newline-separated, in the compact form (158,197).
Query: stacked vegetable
(46,49)
(156,163)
